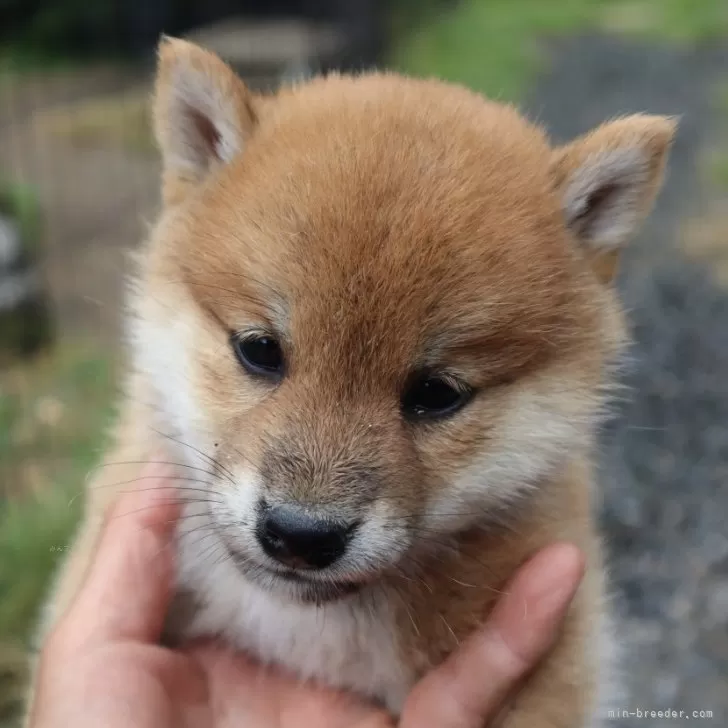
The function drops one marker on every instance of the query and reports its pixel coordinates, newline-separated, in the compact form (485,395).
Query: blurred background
(78,187)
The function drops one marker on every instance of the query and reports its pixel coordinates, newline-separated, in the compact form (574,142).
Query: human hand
(102,664)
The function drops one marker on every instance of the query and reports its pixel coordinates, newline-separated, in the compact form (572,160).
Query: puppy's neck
(447,591)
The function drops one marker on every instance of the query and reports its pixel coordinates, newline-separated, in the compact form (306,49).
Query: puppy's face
(375,310)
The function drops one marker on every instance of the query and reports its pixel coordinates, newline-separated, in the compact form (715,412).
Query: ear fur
(607,181)
(203,115)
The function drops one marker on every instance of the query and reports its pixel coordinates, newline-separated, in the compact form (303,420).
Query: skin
(102,664)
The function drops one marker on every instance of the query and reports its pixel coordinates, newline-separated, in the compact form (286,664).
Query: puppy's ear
(203,115)
(607,181)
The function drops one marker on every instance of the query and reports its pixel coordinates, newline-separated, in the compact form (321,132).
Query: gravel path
(665,455)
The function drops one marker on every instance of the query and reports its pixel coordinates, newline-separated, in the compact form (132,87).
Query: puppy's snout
(298,539)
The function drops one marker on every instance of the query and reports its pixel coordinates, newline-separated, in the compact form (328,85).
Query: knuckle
(506,658)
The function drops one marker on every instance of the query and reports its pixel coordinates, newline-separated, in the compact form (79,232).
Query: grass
(21,203)
(20,57)
(717,163)
(706,235)
(718,168)
(34,534)
(53,413)
(17,59)
(495,46)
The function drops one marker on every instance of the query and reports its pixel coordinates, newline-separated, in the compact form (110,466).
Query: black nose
(298,539)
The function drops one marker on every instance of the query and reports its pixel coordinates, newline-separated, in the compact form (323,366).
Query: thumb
(468,689)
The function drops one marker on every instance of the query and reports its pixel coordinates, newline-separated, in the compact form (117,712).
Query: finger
(469,687)
(128,587)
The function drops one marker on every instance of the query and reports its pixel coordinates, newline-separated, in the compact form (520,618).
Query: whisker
(142,509)
(180,502)
(205,553)
(175,479)
(202,533)
(450,629)
(456,554)
(179,488)
(207,457)
(120,463)
(462,583)
(409,613)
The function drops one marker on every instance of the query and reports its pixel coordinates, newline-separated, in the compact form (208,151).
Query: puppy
(373,327)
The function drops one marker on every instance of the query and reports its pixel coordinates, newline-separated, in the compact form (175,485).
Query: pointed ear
(607,182)
(203,115)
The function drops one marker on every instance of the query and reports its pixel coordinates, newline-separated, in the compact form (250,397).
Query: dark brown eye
(259,354)
(434,396)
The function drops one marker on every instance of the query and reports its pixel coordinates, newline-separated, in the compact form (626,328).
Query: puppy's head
(377,307)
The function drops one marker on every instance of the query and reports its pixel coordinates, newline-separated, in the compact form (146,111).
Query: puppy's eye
(434,396)
(259,354)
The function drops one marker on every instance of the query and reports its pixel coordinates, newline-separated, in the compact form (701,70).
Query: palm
(151,687)
(242,690)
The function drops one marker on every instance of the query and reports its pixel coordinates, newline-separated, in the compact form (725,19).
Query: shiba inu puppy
(373,328)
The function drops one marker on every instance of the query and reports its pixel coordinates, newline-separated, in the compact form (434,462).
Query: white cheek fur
(239,502)
(537,433)
(162,354)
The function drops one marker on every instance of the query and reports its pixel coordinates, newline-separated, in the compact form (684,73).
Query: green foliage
(493,46)
(34,535)
(43,30)
(717,163)
(689,20)
(55,421)
(53,416)
(20,202)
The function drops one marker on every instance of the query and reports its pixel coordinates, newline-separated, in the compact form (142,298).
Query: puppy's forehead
(401,161)
(376,205)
